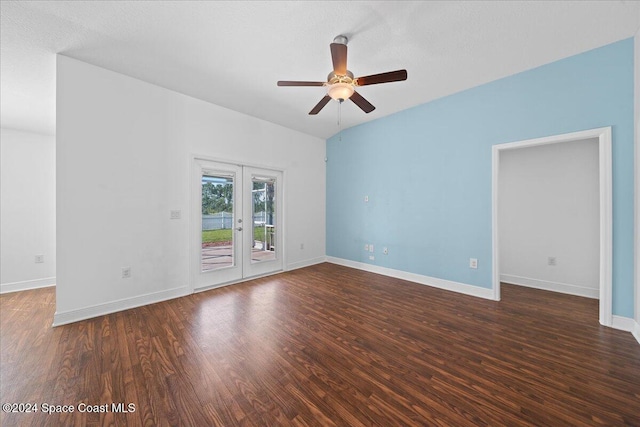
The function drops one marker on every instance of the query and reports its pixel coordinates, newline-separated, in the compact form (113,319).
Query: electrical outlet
(371,257)
(126,272)
(371,248)
(551,261)
(473,263)
(366,198)
(39,259)
(385,250)
(366,247)
(174,214)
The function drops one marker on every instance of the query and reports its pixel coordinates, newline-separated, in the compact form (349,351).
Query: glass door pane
(263,212)
(217,222)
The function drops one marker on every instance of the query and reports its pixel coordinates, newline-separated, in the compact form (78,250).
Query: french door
(237,223)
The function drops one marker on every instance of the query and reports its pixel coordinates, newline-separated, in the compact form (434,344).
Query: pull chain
(340,119)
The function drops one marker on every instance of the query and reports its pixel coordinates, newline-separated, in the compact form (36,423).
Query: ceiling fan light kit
(340,83)
(340,91)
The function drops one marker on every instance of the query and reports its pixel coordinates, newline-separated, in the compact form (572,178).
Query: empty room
(320,213)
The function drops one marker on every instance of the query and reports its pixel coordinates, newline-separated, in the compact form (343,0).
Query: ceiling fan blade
(339,58)
(374,79)
(365,105)
(294,83)
(320,105)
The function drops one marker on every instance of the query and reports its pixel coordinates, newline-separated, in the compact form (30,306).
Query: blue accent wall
(427,170)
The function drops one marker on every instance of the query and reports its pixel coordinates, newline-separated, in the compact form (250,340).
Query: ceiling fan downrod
(341,39)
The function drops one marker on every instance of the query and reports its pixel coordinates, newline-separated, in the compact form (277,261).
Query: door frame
(605,209)
(193,221)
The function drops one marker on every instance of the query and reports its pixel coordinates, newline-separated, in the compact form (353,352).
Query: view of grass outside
(214,236)
(224,235)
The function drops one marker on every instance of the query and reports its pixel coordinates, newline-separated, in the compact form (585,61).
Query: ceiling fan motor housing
(336,78)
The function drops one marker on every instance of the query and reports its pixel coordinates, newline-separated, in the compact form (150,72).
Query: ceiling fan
(340,82)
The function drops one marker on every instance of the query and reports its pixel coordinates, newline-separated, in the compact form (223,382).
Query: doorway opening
(603,137)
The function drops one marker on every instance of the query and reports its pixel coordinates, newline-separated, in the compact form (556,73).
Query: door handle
(239,228)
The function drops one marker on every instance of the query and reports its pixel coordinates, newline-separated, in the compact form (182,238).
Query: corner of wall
(636,114)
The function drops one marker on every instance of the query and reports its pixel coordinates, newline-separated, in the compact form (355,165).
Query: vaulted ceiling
(231,53)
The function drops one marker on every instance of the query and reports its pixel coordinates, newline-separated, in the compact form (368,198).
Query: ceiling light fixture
(340,86)
(340,91)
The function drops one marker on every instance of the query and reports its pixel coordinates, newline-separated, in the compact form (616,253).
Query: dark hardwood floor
(323,346)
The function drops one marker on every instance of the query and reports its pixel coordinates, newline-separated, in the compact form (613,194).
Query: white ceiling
(231,53)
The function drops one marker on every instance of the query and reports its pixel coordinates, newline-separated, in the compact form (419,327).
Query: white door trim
(605,183)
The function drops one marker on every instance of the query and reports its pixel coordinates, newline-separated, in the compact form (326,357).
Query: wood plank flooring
(323,346)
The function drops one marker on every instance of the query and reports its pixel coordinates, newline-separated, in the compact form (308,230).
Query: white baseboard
(6,288)
(115,306)
(306,263)
(564,288)
(636,331)
(448,285)
(622,323)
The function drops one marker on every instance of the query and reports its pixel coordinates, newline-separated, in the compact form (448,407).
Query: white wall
(27,210)
(549,207)
(636,113)
(124,157)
